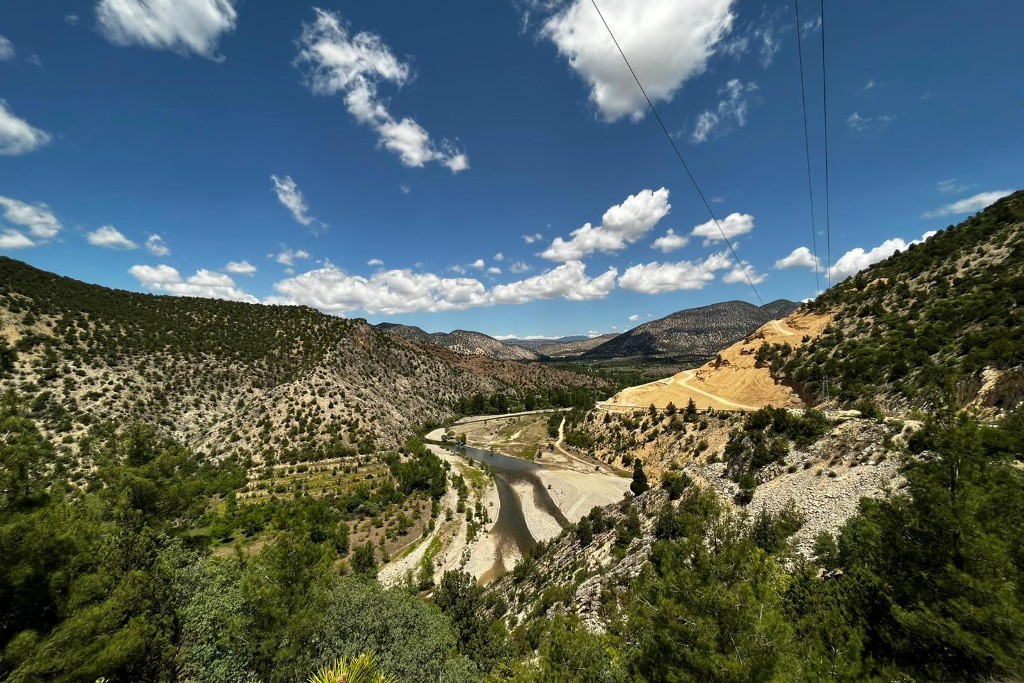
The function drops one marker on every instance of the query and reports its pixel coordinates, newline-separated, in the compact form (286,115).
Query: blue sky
(491,165)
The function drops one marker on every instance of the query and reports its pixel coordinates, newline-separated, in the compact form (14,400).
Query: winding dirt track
(732,381)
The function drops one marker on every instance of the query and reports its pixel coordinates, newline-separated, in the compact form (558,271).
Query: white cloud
(355,65)
(667,42)
(862,124)
(742,273)
(870,85)
(204,283)
(769,42)
(494,270)
(633,318)
(622,224)
(499,257)
(856,260)
(156,246)
(388,291)
(670,241)
(291,198)
(72,19)
(530,239)
(567,281)
(732,225)
(374,262)
(10,239)
(801,257)
(656,278)
(520,267)
(17,136)
(478,264)
(110,237)
(731,111)
(811,25)
(288,257)
(404,187)
(38,218)
(969,205)
(184,26)
(951,186)
(6,49)
(240,268)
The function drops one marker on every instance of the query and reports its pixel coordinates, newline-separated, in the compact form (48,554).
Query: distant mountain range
(695,333)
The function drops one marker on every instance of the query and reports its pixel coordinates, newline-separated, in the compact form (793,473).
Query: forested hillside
(926,323)
(222,377)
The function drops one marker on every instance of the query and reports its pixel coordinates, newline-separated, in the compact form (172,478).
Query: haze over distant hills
(689,334)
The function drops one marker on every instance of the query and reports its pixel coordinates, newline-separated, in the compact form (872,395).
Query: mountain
(535,344)
(464,342)
(695,333)
(943,320)
(226,377)
(571,348)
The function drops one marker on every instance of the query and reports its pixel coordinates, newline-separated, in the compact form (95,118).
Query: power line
(807,149)
(679,154)
(824,105)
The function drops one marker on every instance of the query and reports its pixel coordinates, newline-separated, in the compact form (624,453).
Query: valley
(183,467)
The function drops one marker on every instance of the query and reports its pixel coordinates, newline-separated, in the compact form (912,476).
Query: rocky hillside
(692,334)
(942,320)
(464,342)
(224,377)
(576,348)
(534,344)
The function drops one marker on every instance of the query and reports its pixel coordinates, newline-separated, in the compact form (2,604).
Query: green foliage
(708,607)
(914,325)
(480,637)
(675,483)
(361,669)
(639,484)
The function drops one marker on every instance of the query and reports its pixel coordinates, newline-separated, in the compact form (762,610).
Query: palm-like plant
(361,669)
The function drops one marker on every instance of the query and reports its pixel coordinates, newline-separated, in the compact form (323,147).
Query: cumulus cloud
(288,257)
(494,270)
(969,205)
(37,219)
(622,224)
(520,267)
(17,136)
(801,257)
(657,278)
(240,268)
(856,260)
(110,237)
(742,273)
(499,257)
(567,281)
(204,283)
(388,291)
(733,225)
(10,239)
(670,241)
(530,239)
(667,41)
(291,198)
(6,49)
(184,26)
(355,65)
(374,262)
(156,246)
(478,264)
(731,111)
(633,318)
